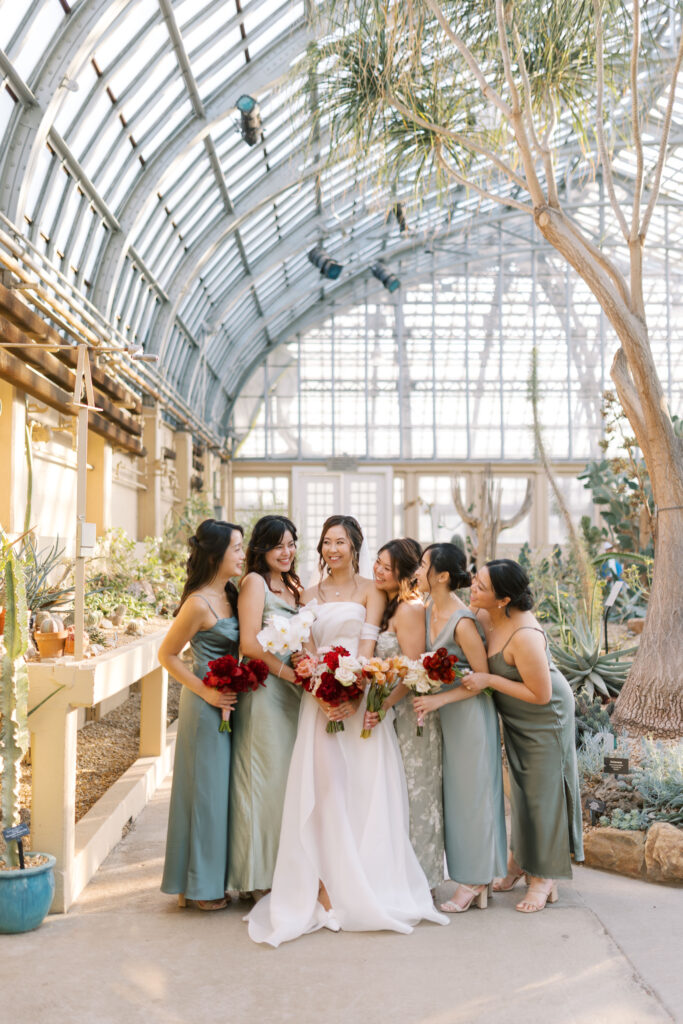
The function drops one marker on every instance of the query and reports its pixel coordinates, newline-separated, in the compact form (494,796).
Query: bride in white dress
(344,839)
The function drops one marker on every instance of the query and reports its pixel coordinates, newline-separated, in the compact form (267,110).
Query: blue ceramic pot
(25,896)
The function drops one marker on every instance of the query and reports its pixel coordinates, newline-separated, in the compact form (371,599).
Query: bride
(344,859)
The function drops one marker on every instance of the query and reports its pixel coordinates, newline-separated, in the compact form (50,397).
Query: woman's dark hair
(207,547)
(266,535)
(508,579)
(353,532)
(404,555)
(449,558)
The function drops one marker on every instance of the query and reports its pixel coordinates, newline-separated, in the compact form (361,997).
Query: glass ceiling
(122,165)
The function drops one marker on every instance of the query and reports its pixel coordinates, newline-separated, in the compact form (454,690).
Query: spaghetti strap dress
(264,727)
(422,765)
(197,840)
(545,797)
(473,802)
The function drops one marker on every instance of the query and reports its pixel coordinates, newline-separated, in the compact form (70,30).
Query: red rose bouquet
(332,676)
(429,673)
(227,674)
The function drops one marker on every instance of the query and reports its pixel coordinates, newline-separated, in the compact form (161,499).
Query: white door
(366,494)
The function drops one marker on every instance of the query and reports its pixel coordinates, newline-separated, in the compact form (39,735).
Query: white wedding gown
(345,821)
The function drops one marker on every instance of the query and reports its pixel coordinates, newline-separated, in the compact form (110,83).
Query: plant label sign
(596,806)
(613,594)
(15,832)
(615,765)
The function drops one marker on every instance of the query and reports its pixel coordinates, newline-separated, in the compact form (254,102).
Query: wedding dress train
(345,821)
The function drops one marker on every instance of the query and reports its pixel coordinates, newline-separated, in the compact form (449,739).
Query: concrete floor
(608,953)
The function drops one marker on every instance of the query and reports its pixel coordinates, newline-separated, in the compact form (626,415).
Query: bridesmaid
(265,721)
(474,809)
(195,866)
(403,632)
(536,706)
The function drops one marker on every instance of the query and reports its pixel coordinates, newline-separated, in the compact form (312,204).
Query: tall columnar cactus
(13,690)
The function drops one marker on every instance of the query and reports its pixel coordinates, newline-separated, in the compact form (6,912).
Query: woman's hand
(297,656)
(426,703)
(371,719)
(338,712)
(475,682)
(224,699)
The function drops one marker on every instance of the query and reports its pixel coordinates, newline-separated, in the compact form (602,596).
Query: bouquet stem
(225,721)
(420,725)
(333,727)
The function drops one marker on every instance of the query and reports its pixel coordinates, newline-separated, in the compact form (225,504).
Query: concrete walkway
(608,953)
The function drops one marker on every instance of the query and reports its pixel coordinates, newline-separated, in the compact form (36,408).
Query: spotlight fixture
(326,265)
(383,274)
(400,215)
(250,115)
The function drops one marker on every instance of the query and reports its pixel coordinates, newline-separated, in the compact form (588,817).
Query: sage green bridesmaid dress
(422,766)
(545,797)
(473,802)
(263,734)
(197,839)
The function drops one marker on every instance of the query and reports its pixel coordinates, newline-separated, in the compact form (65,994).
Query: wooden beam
(59,374)
(18,313)
(19,374)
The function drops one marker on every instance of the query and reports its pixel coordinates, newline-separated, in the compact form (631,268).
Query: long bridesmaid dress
(545,797)
(263,735)
(422,765)
(197,839)
(473,804)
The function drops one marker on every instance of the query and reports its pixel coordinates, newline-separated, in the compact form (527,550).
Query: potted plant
(25,894)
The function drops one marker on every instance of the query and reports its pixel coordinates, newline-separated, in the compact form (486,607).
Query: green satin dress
(545,797)
(422,765)
(473,802)
(197,839)
(263,734)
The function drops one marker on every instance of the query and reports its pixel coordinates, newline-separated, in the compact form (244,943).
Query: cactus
(488,524)
(13,689)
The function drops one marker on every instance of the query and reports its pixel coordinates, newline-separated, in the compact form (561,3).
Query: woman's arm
(375,602)
(250,606)
(528,651)
(409,622)
(189,620)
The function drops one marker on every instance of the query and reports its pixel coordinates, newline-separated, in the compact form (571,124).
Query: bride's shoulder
(309,594)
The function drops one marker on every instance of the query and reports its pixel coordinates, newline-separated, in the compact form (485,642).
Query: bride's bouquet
(331,675)
(428,674)
(227,674)
(286,634)
(383,674)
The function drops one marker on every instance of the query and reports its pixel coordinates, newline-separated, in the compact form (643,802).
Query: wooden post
(154,688)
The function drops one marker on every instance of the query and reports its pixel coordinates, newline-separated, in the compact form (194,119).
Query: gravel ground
(105,750)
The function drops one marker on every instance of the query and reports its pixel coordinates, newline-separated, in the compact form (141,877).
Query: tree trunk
(652,697)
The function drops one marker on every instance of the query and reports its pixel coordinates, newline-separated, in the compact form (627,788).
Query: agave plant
(577,654)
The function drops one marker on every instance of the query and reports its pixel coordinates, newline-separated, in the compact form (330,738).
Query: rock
(106,624)
(664,853)
(143,590)
(614,849)
(617,793)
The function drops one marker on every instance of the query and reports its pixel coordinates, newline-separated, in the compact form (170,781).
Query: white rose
(345,676)
(349,664)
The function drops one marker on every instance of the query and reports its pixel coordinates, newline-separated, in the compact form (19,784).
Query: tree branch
(526,86)
(503,200)
(470,520)
(553,198)
(598,255)
(600,127)
(635,123)
(666,129)
(488,90)
(462,140)
(628,396)
(506,524)
(507,63)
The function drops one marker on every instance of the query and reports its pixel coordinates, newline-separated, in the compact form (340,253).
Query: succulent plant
(577,654)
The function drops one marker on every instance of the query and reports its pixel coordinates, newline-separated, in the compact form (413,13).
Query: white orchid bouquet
(286,634)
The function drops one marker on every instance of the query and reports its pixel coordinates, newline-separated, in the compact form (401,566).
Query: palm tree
(488,94)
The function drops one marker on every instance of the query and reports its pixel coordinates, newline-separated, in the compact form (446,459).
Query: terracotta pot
(51,645)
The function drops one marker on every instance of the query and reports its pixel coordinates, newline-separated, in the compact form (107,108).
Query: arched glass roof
(123,170)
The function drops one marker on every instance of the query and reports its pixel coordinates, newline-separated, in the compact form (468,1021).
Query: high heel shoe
(477,895)
(218,904)
(498,887)
(547,894)
(327,919)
